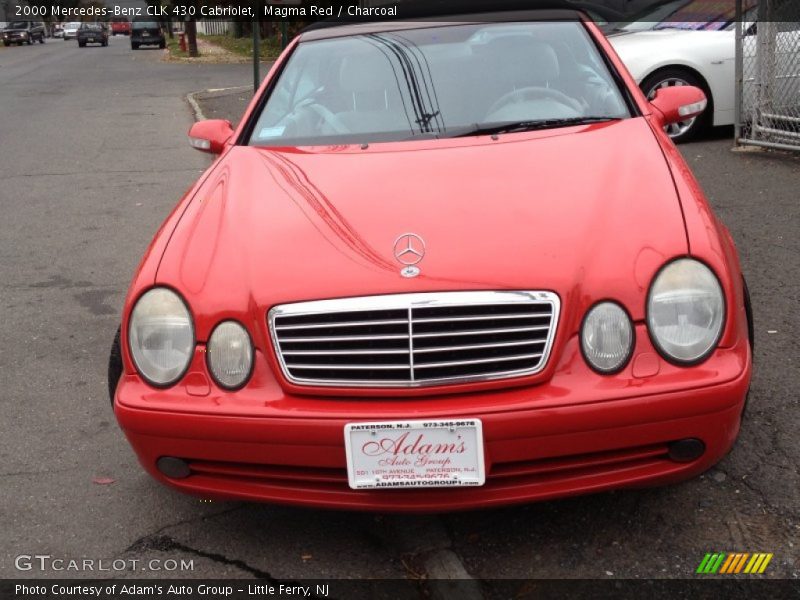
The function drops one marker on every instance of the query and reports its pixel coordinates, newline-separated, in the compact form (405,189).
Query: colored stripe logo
(733,563)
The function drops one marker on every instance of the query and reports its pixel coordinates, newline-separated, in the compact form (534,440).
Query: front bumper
(540,442)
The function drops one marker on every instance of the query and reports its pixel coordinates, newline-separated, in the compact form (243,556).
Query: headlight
(685,311)
(230,355)
(607,337)
(161,336)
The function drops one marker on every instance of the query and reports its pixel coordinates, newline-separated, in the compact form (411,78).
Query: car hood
(587,212)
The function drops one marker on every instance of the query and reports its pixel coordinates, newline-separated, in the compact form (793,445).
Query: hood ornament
(409,250)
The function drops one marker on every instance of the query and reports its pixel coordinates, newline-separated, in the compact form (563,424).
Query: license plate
(415,454)
(145,34)
(91,39)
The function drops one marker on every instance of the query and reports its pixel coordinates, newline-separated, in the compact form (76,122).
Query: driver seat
(513,62)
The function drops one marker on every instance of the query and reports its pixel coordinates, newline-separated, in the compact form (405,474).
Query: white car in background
(71,30)
(703,54)
(667,48)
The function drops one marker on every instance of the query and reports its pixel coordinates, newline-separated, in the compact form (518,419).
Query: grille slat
(479,361)
(403,352)
(342,324)
(480,318)
(474,347)
(348,367)
(345,338)
(438,334)
(408,340)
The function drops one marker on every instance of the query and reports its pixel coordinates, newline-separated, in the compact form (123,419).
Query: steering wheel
(533,93)
(327,117)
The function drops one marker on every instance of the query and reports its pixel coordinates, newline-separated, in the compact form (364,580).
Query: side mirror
(211,135)
(679,103)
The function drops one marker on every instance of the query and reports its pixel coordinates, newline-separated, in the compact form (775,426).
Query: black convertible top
(475,10)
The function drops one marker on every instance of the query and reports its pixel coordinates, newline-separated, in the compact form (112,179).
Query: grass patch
(269,47)
(174,47)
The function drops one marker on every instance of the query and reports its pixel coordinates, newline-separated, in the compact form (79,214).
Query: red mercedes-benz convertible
(438,266)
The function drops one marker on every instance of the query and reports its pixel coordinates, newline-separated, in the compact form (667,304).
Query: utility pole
(256,55)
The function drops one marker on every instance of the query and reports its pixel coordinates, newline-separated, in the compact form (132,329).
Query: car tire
(162,45)
(105,43)
(748,311)
(41,39)
(6,44)
(751,337)
(671,76)
(114,366)
(134,46)
(30,41)
(81,44)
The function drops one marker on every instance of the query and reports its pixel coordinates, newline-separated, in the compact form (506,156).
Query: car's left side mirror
(210,135)
(679,103)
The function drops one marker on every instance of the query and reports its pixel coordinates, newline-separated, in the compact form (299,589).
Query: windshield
(437,82)
(145,25)
(18,25)
(92,26)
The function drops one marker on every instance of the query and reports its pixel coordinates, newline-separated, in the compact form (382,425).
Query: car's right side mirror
(679,103)
(210,135)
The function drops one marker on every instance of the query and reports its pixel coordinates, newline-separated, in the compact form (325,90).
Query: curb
(198,112)
(192,98)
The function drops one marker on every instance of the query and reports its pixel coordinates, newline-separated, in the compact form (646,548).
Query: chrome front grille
(412,340)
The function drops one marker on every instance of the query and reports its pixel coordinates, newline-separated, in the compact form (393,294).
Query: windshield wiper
(517,126)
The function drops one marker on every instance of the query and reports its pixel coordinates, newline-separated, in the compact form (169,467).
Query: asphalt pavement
(94,156)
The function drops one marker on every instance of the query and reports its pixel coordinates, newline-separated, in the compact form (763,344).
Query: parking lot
(95,155)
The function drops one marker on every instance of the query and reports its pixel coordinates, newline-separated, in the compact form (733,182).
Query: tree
(191,37)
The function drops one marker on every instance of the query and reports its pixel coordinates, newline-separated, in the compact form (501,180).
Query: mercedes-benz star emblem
(409,249)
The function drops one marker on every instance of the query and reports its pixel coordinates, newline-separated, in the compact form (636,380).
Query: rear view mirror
(211,135)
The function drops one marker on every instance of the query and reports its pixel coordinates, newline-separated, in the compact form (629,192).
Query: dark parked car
(92,33)
(23,32)
(147,33)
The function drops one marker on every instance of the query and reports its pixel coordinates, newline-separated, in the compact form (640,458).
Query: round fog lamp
(230,355)
(607,337)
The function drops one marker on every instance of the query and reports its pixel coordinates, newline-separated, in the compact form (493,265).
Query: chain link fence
(768,75)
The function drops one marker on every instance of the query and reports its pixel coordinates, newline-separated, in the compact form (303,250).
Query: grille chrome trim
(480,332)
(342,324)
(526,340)
(354,367)
(354,338)
(479,361)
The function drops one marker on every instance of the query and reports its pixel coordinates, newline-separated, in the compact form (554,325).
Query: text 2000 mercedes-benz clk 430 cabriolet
(438,266)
